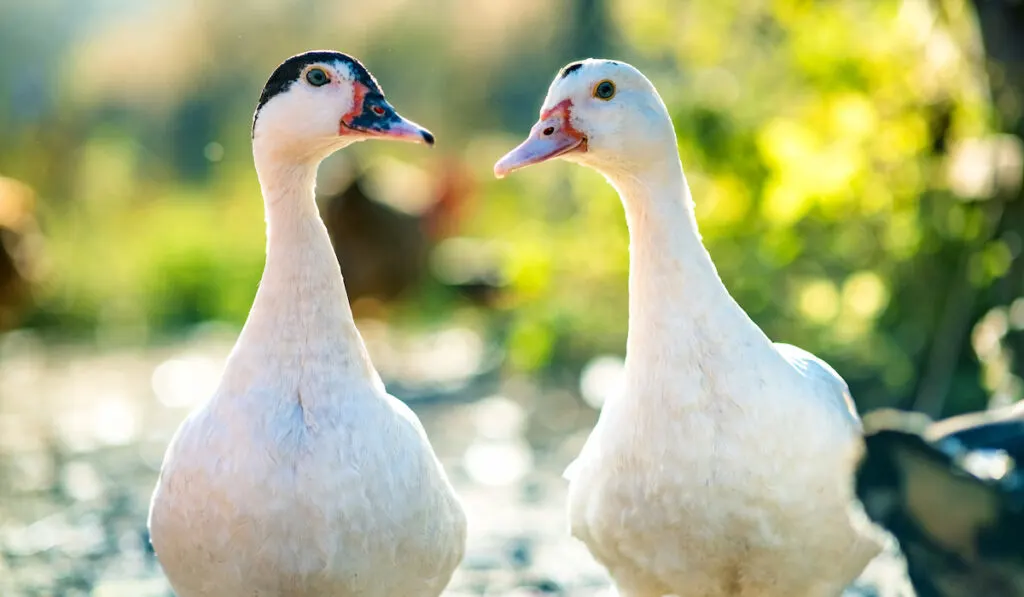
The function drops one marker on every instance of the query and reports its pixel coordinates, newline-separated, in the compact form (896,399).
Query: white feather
(724,469)
(301,476)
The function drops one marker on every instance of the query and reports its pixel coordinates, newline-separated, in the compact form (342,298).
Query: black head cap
(575,66)
(570,69)
(289,71)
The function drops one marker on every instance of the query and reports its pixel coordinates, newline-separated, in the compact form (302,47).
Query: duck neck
(680,313)
(300,319)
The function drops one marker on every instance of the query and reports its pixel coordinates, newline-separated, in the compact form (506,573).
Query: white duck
(301,476)
(725,468)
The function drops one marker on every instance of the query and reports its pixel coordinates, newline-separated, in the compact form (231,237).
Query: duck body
(706,498)
(724,469)
(952,494)
(301,476)
(346,501)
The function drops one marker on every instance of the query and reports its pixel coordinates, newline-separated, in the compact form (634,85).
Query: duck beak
(402,129)
(552,136)
(372,116)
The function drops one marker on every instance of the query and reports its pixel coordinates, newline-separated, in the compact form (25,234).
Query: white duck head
(318,102)
(603,114)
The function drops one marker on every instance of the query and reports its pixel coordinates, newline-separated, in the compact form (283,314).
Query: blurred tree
(589,32)
(842,157)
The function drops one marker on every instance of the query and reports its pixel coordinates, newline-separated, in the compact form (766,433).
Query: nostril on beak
(548,131)
(428,137)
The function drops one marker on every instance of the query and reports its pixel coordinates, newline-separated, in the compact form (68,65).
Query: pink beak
(552,136)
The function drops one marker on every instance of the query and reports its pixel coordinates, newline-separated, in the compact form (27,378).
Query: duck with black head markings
(724,468)
(301,476)
(316,85)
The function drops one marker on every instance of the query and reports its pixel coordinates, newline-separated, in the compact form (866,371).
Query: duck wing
(817,371)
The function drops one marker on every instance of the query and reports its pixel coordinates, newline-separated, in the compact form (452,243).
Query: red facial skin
(359,92)
(563,109)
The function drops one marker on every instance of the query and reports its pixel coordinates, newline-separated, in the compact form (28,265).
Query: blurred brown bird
(385,252)
(20,250)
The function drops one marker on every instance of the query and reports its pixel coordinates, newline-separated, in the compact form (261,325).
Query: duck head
(318,102)
(603,114)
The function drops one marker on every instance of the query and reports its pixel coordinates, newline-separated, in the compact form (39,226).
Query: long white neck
(680,314)
(300,324)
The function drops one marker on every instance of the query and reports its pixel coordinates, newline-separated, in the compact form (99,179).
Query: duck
(22,252)
(301,476)
(723,467)
(951,492)
(386,253)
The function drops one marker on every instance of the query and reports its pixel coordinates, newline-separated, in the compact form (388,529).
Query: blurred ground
(82,436)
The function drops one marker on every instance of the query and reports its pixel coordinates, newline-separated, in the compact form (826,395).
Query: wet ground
(82,435)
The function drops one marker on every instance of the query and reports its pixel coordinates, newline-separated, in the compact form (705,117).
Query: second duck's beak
(372,116)
(552,136)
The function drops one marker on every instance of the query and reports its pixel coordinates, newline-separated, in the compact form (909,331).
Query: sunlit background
(856,167)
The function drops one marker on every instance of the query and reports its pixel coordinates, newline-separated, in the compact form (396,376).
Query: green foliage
(807,130)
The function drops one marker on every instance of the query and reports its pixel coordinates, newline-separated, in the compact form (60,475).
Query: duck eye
(378,110)
(317,77)
(604,90)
